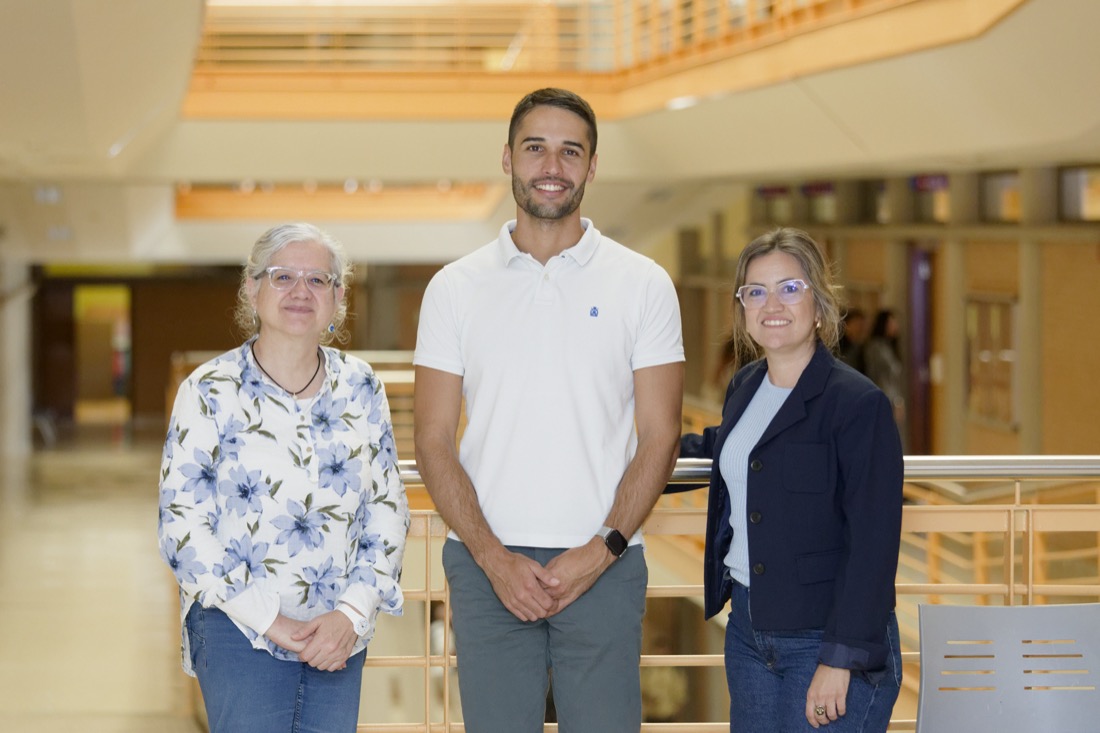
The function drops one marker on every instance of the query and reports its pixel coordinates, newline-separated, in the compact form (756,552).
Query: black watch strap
(613,538)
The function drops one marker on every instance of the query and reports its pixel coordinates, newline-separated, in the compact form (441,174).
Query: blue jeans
(769,672)
(591,649)
(247,690)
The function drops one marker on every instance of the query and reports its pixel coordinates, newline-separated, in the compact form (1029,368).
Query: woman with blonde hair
(804,516)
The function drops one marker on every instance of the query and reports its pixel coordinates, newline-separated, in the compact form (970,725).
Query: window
(1001,197)
(991,360)
(778,207)
(1080,195)
(931,198)
(822,201)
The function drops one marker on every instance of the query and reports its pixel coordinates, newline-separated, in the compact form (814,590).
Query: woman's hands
(828,691)
(325,643)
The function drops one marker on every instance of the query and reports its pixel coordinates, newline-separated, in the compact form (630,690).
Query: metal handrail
(917,468)
(1018,584)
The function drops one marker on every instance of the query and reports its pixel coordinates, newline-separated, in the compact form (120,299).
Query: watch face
(615,542)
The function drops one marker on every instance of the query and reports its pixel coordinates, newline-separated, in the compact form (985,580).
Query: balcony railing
(505,36)
(987,530)
(975,530)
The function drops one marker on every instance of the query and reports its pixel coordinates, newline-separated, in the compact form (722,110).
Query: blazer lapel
(737,403)
(810,384)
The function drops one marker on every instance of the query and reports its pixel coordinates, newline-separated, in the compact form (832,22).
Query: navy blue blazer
(824,510)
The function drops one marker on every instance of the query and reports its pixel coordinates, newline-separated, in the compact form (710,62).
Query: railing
(1018,551)
(975,529)
(502,37)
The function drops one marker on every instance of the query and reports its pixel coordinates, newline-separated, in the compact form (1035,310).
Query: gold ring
(819,709)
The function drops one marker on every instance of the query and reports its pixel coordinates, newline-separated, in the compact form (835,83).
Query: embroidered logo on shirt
(595,312)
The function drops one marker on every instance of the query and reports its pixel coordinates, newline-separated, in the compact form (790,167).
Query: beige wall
(1071,348)
(992,267)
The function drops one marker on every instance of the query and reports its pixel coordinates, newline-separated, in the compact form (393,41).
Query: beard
(524,194)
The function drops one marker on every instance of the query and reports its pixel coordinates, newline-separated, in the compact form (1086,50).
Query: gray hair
(267,246)
(819,277)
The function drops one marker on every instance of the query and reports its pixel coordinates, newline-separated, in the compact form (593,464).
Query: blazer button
(758,568)
(755,517)
(756,465)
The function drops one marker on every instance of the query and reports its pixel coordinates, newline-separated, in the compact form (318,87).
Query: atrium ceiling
(93,142)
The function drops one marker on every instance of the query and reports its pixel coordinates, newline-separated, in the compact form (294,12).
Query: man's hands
(521,584)
(576,570)
(325,643)
(532,592)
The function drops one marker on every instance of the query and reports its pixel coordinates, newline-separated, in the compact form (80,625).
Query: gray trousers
(592,649)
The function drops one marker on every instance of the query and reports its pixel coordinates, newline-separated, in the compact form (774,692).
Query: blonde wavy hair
(819,277)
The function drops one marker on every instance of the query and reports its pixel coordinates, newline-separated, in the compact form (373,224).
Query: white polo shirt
(547,355)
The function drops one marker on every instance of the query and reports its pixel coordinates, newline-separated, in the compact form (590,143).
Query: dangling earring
(255,319)
(332,328)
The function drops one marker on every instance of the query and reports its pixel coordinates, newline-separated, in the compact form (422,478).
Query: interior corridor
(88,614)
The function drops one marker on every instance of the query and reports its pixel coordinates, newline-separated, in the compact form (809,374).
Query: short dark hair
(553,97)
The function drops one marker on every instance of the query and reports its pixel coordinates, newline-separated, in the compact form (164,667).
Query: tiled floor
(88,619)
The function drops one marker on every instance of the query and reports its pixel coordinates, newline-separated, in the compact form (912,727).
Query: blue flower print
(301,528)
(362,387)
(263,494)
(327,415)
(365,575)
(390,596)
(377,400)
(253,383)
(387,450)
(243,552)
(371,545)
(172,440)
(229,442)
(214,520)
(183,563)
(244,490)
(360,520)
(339,469)
(207,392)
(167,498)
(320,584)
(201,476)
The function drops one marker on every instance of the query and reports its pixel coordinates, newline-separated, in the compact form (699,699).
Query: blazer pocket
(818,567)
(806,468)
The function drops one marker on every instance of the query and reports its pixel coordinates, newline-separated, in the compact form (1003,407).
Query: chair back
(1009,668)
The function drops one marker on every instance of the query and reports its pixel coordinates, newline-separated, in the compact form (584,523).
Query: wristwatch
(614,540)
(359,622)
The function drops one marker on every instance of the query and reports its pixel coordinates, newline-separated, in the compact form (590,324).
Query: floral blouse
(270,504)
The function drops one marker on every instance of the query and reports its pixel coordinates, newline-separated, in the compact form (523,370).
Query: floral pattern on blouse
(274,505)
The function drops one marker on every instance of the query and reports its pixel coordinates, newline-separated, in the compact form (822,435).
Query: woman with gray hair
(804,511)
(282,514)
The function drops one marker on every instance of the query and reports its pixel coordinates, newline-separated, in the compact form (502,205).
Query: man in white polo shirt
(567,348)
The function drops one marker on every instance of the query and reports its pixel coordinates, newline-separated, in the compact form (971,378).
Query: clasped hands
(532,592)
(324,643)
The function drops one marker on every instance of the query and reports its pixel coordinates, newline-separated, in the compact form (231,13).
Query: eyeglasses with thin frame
(788,292)
(285,278)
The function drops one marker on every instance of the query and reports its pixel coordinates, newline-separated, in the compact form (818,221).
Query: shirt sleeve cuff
(253,608)
(363,598)
(833,654)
